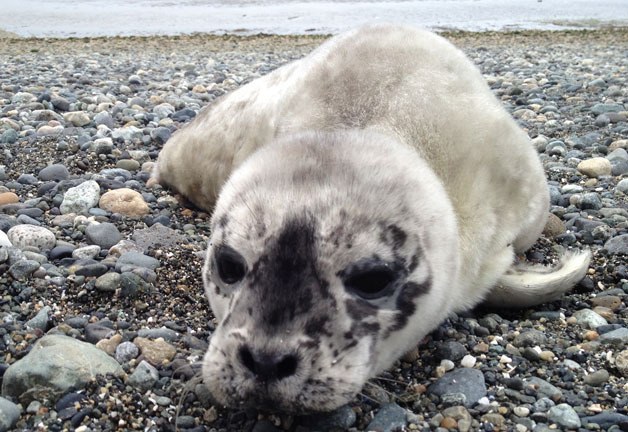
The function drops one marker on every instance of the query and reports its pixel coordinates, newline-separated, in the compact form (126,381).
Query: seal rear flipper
(526,285)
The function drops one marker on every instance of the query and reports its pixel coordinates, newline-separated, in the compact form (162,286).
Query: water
(64,18)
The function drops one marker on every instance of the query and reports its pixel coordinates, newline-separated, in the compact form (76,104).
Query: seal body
(360,195)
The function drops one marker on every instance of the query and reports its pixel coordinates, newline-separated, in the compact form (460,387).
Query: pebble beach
(103,320)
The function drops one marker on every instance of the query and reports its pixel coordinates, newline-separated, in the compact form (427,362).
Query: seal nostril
(268,367)
(287,366)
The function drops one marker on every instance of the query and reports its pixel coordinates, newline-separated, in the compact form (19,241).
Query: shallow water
(64,18)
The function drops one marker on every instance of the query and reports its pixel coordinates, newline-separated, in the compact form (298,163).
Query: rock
(104,118)
(4,240)
(132,285)
(451,350)
(467,381)
(31,236)
(109,282)
(341,418)
(136,259)
(144,376)
(9,414)
(125,201)
(102,146)
(55,172)
(543,388)
(8,198)
(77,118)
(156,352)
(109,345)
(86,252)
(605,420)
(157,235)
(589,319)
(564,416)
(608,301)
(602,108)
(622,186)
(40,321)
(621,362)
(23,269)
(126,352)
(554,226)
(57,362)
(104,234)
(597,378)
(389,418)
(595,167)
(128,164)
(617,245)
(81,198)
(529,338)
(617,337)
(127,133)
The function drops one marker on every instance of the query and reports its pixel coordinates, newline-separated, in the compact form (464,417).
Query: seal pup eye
(230,265)
(369,280)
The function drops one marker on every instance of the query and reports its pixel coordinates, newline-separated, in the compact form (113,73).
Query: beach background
(80,18)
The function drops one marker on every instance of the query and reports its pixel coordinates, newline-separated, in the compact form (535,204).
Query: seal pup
(359,195)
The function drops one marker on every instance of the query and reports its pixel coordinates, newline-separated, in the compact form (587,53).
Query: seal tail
(526,285)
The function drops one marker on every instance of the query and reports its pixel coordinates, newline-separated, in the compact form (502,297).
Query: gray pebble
(544,388)
(341,418)
(9,414)
(467,381)
(144,376)
(529,338)
(57,362)
(102,146)
(81,198)
(126,352)
(131,285)
(108,282)
(617,337)
(617,245)
(389,418)
(23,269)
(589,319)
(104,234)
(55,172)
(597,378)
(605,419)
(136,259)
(86,252)
(104,118)
(40,321)
(162,332)
(564,416)
(622,186)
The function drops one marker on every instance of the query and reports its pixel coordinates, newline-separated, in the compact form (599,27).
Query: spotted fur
(366,191)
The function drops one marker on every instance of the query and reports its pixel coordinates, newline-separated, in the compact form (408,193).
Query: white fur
(436,152)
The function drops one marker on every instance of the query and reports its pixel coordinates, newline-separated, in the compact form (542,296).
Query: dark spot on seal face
(359,309)
(405,302)
(316,327)
(223,221)
(285,277)
(393,236)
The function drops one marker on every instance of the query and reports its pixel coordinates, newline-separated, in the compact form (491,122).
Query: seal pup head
(330,256)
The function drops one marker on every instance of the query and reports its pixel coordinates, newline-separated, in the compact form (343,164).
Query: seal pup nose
(267,366)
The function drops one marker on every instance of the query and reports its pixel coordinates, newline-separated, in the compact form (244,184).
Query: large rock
(60,363)
(81,198)
(9,414)
(467,381)
(124,201)
(595,167)
(25,236)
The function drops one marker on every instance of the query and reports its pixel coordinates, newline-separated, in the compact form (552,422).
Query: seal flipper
(526,285)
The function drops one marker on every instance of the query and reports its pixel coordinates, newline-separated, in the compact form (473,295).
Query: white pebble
(447,365)
(468,361)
